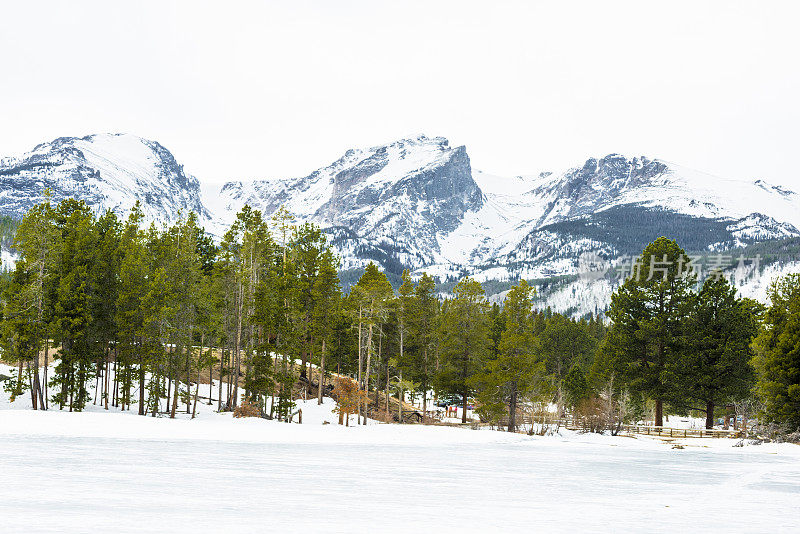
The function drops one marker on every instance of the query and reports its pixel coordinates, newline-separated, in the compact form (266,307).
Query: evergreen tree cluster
(691,347)
(144,313)
(148,313)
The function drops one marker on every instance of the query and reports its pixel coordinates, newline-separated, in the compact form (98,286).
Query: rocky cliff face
(401,196)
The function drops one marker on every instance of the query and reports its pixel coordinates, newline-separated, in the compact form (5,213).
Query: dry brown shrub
(590,415)
(348,398)
(247,409)
(383,416)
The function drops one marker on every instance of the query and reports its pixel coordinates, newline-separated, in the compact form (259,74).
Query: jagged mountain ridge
(417,203)
(391,204)
(108,171)
(402,196)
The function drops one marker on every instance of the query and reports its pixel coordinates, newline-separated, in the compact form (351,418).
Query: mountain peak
(107,170)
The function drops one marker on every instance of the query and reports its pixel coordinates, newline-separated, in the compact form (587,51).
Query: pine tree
(565,343)
(36,240)
(716,369)
(243,253)
(649,313)
(777,354)
(72,307)
(373,296)
(103,301)
(576,387)
(465,342)
(515,370)
(328,306)
(134,346)
(18,329)
(404,308)
(423,326)
(308,245)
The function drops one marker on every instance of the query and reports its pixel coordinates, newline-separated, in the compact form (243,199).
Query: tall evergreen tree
(716,367)
(465,342)
(423,329)
(515,370)
(404,308)
(37,242)
(72,309)
(373,296)
(328,307)
(777,354)
(649,313)
(134,346)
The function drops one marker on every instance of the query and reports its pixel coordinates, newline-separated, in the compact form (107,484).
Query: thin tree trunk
(237,347)
(229,363)
(18,388)
(366,372)
(709,415)
(378,366)
(169,389)
(659,413)
(141,389)
(387,388)
(400,372)
(107,380)
(210,374)
(44,372)
(196,390)
(221,367)
(189,374)
(321,373)
(425,388)
(400,396)
(97,382)
(37,386)
(512,410)
(176,393)
(34,398)
(115,397)
(360,357)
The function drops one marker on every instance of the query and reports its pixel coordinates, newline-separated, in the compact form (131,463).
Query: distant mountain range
(417,203)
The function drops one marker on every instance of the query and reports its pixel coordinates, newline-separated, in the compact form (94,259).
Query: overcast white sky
(242,90)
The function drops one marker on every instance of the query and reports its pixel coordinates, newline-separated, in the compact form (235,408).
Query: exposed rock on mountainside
(108,171)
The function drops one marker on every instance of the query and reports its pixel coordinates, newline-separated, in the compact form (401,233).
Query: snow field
(109,471)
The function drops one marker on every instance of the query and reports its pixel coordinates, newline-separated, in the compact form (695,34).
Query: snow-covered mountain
(417,203)
(393,202)
(108,171)
(614,206)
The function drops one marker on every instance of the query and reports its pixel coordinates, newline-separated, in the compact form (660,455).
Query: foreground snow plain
(100,471)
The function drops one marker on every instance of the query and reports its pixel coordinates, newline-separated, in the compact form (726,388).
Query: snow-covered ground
(117,472)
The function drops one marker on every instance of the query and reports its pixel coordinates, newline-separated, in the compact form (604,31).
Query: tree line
(145,312)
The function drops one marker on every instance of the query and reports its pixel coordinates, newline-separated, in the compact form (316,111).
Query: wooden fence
(667,432)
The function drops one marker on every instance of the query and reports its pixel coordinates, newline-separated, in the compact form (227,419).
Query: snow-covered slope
(108,171)
(615,205)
